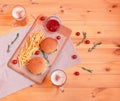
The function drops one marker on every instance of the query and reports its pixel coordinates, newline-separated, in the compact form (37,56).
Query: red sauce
(53,25)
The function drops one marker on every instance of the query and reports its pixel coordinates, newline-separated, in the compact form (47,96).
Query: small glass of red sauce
(52,24)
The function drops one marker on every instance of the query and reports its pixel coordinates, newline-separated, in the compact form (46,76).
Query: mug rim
(55,18)
(58,70)
(19,19)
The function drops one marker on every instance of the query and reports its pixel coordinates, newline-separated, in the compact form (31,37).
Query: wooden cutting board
(64,32)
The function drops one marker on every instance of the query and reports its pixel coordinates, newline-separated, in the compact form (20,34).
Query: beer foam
(61,75)
(16,10)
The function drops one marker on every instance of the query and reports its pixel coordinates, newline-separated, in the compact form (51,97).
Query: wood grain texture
(101,20)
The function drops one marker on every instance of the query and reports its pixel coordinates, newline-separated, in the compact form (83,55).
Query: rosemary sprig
(55,50)
(84,37)
(8,49)
(15,39)
(86,69)
(45,56)
(94,46)
(118,45)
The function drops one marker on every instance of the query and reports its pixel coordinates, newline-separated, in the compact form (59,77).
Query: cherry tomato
(77,33)
(58,37)
(74,56)
(14,61)
(37,52)
(87,41)
(76,73)
(42,18)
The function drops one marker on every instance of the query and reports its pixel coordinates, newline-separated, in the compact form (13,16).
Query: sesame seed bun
(37,65)
(49,45)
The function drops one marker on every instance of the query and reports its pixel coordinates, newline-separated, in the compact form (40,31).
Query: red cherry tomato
(76,73)
(87,41)
(58,37)
(74,56)
(77,33)
(42,18)
(14,61)
(37,52)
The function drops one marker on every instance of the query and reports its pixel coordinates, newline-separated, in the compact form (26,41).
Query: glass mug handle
(57,74)
(61,89)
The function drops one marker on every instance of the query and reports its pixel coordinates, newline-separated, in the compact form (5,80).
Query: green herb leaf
(8,49)
(49,66)
(94,46)
(45,56)
(15,39)
(54,51)
(90,71)
(84,37)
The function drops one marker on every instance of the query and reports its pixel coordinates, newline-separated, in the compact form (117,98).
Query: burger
(37,65)
(49,45)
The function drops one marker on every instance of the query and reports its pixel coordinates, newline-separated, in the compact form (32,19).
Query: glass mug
(19,14)
(52,24)
(58,78)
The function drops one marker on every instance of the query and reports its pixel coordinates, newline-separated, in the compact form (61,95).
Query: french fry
(31,45)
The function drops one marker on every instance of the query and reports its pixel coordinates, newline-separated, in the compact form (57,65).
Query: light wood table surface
(101,20)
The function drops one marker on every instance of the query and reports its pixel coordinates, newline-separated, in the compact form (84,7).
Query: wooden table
(101,20)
